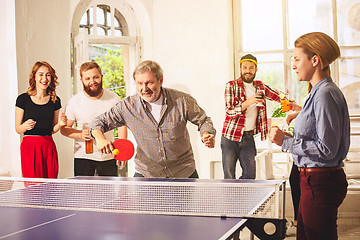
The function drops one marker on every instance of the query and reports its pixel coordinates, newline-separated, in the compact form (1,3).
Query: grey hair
(149,66)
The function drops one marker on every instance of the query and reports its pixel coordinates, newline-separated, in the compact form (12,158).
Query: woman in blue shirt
(321,138)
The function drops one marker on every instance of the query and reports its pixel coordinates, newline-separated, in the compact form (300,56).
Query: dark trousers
(194,175)
(87,167)
(321,195)
(294,180)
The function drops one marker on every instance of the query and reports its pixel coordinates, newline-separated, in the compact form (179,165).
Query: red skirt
(39,157)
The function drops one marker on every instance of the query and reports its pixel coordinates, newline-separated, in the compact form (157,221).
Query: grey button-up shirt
(163,148)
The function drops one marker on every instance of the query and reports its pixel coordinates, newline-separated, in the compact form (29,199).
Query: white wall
(192,41)
(9,140)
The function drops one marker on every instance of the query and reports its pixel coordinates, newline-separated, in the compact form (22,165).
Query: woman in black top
(37,117)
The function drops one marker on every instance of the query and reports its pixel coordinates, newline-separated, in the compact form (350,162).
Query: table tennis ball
(115,152)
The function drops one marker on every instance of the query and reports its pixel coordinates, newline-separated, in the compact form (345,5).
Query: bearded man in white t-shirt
(80,111)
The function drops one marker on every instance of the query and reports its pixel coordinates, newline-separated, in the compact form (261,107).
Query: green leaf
(112,67)
(277,113)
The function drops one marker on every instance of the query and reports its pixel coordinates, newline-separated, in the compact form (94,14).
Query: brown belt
(250,132)
(324,169)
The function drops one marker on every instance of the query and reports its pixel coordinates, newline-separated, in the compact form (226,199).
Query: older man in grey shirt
(157,117)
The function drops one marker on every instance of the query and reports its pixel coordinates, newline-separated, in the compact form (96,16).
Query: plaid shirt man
(235,118)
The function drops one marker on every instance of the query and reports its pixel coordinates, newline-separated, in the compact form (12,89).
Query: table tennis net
(197,198)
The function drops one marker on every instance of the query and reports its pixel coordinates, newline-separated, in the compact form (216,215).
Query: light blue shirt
(322,129)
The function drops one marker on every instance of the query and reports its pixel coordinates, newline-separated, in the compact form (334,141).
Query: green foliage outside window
(112,67)
(271,74)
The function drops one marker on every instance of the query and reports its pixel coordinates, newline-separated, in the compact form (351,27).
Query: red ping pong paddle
(124,149)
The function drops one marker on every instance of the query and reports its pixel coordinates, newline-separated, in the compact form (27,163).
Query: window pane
(108,18)
(256,35)
(83,20)
(118,33)
(349,81)
(100,18)
(110,59)
(299,88)
(271,72)
(91,14)
(116,22)
(355,143)
(348,22)
(100,31)
(309,16)
(118,29)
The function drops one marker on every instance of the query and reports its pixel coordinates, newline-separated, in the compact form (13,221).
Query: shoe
(291,228)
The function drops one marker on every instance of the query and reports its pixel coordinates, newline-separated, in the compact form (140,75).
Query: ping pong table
(29,215)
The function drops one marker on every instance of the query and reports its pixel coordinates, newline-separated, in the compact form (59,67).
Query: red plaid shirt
(235,118)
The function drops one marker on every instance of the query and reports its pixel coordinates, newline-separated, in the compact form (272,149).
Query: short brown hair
(89,65)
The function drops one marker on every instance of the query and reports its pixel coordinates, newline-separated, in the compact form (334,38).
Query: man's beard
(248,80)
(92,93)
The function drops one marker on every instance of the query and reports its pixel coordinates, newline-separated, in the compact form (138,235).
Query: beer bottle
(89,141)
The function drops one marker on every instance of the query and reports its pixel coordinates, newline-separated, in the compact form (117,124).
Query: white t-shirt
(82,109)
(155,107)
(251,111)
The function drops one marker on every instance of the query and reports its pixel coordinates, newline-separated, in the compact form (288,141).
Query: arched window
(101,33)
(101,22)
(105,24)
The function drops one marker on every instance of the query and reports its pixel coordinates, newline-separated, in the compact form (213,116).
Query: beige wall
(9,140)
(192,40)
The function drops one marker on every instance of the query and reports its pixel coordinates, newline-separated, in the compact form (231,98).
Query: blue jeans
(244,151)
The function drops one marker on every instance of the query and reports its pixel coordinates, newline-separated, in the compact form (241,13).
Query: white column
(9,139)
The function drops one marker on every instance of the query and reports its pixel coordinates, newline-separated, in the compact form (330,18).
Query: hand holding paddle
(123,149)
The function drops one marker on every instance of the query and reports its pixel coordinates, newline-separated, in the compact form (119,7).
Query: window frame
(109,28)
(287,52)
